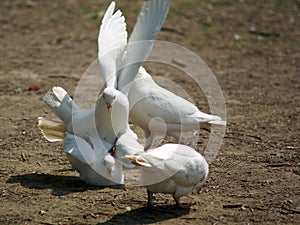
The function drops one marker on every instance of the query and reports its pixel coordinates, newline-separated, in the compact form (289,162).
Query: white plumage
(85,147)
(110,114)
(91,134)
(126,145)
(109,123)
(147,100)
(112,40)
(116,57)
(172,168)
(149,23)
(90,158)
(120,64)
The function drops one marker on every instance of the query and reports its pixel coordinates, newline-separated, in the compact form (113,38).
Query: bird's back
(179,162)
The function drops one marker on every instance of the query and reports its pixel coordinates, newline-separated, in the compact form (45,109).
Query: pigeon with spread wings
(113,51)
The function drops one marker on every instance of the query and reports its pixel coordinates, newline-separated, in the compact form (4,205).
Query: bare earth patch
(252,48)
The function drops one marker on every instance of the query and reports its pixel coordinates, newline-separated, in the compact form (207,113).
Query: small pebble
(42,212)
(236,37)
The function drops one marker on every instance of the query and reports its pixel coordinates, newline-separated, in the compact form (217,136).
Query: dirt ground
(255,178)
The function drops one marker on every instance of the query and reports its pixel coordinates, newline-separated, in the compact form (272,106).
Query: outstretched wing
(149,23)
(112,40)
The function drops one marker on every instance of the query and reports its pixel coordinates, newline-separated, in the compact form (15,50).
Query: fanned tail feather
(52,130)
(60,103)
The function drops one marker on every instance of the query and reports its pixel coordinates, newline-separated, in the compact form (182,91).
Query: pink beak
(110,172)
(109,107)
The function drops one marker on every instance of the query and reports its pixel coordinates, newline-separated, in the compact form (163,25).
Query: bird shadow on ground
(145,215)
(61,185)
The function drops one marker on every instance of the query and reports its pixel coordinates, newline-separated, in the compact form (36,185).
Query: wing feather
(149,23)
(152,16)
(112,40)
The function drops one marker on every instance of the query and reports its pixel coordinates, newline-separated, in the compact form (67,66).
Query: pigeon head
(109,162)
(109,95)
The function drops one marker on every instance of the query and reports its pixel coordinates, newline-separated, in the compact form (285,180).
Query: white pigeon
(148,100)
(171,168)
(116,56)
(96,166)
(111,117)
(166,110)
(84,148)
(91,156)
(98,117)
(111,112)
(120,61)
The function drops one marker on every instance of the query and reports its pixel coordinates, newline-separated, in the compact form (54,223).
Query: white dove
(109,102)
(91,156)
(81,122)
(86,152)
(111,39)
(120,61)
(150,102)
(147,100)
(171,168)
(116,55)
(96,166)
(110,114)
